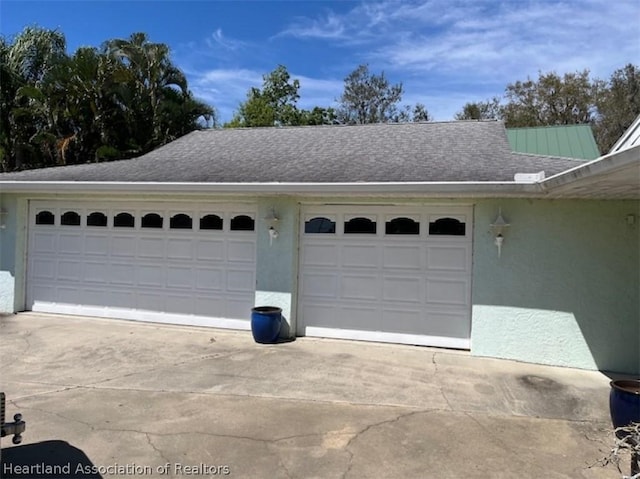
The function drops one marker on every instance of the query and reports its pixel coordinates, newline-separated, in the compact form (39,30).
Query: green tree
(368,98)
(97,104)
(481,110)
(618,104)
(273,104)
(551,100)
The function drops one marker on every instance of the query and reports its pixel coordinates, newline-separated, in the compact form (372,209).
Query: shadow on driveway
(47,459)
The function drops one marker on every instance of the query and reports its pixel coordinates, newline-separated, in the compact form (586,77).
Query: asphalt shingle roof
(409,152)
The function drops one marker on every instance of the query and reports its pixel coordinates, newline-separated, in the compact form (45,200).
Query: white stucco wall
(565,291)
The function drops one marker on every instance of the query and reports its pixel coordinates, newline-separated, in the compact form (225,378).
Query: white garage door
(392,274)
(175,263)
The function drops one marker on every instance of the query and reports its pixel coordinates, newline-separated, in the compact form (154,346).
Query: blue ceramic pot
(624,402)
(265,324)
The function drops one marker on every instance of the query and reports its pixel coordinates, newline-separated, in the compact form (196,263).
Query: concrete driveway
(107,398)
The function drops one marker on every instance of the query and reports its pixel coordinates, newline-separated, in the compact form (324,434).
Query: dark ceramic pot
(265,324)
(624,402)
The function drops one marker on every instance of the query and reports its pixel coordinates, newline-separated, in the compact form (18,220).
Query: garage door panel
(405,321)
(180,277)
(360,256)
(321,255)
(320,285)
(122,273)
(44,293)
(150,276)
(70,243)
(210,279)
(360,317)
(402,289)
(452,292)
(210,250)
(124,246)
(94,297)
(180,249)
(151,248)
(321,314)
(179,304)
(151,301)
(237,308)
(402,257)
(70,270)
(446,324)
(122,299)
(238,280)
(209,306)
(96,245)
(448,258)
(241,251)
(95,272)
(45,242)
(359,287)
(43,269)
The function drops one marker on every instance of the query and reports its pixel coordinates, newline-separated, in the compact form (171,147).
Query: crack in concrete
(372,426)
(440,388)
(156,449)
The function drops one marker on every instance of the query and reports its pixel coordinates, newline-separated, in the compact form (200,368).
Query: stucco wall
(277,260)
(565,290)
(8,230)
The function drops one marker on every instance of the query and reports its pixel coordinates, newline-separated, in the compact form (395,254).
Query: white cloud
(217,39)
(329,27)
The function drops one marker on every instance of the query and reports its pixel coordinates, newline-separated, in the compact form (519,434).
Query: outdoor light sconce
(498,227)
(272,219)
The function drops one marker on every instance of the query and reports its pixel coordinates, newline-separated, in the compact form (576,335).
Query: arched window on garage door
(402,226)
(211,222)
(360,225)
(319,224)
(242,223)
(124,220)
(70,218)
(181,221)
(97,219)
(447,227)
(152,220)
(45,218)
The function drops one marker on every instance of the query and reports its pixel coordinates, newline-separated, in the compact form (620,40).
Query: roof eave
(457,189)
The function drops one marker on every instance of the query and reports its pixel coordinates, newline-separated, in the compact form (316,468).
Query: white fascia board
(605,164)
(419,188)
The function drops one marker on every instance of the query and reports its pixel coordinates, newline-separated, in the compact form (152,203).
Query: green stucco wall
(565,291)
(277,260)
(12,248)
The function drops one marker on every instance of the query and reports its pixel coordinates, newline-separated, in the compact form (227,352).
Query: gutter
(485,188)
(607,164)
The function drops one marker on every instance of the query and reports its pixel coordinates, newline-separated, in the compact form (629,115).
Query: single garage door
(176,263)
(386,273)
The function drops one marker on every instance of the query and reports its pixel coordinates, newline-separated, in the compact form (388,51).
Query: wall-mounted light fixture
(3,218)
(498,227)
(272,219)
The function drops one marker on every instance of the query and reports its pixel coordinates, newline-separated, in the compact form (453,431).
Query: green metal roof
(569,141)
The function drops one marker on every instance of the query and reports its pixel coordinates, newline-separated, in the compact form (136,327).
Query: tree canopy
(120,100)
(609,106)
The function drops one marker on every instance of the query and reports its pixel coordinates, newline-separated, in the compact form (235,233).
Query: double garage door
(177,263)
(380,273)
(392,274)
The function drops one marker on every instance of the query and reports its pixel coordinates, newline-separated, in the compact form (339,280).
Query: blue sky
(445,53)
